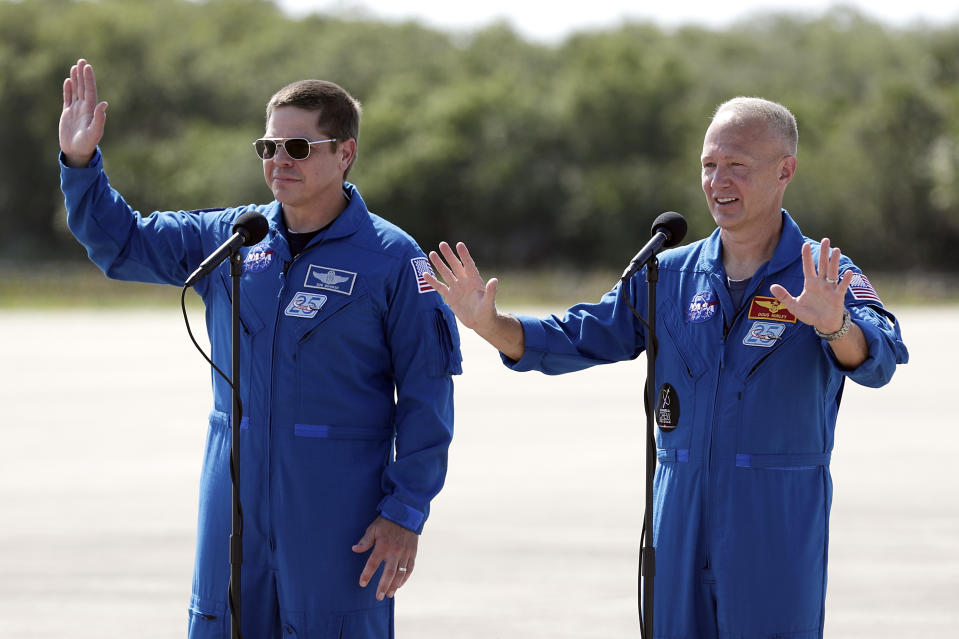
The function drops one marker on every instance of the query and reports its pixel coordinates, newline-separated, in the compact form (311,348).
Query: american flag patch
(861,289)
(422,265)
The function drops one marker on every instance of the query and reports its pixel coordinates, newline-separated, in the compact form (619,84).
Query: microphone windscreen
(253,226)
(673,225)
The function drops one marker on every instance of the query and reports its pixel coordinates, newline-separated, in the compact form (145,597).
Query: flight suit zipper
(727,329)
(709,451)
(281,294)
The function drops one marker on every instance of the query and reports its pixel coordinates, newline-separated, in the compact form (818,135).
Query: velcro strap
(672,454)
(322,431)
(225,420)
(783,462)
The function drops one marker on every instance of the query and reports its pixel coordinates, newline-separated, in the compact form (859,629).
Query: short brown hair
(339,112)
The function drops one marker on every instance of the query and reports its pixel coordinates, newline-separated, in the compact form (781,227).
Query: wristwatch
(846,321)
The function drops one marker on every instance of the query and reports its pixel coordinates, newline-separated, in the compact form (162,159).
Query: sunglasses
(296,148)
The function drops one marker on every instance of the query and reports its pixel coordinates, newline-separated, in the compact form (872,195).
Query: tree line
(532,153)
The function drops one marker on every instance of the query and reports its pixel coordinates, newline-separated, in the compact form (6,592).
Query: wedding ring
(831,280)
(402,569)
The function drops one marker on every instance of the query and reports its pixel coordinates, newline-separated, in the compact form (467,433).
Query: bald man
(749,381)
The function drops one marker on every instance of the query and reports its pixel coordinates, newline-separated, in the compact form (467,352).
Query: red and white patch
(769,308)
(421,265)
(861,289)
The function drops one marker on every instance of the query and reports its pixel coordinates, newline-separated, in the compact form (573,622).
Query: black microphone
(249,228)
(669,229)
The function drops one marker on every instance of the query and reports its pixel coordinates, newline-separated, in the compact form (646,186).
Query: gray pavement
(535,534)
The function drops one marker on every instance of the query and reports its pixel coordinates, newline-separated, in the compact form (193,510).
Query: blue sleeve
(586,335)
(425,350)
(164,247)
(881,329)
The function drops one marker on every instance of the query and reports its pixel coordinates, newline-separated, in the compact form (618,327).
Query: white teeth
(725,200)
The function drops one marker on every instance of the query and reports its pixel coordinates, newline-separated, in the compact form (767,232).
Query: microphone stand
(648,551)
(236,536)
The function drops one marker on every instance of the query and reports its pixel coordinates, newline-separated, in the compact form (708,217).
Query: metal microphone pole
(236,537)
(648,552)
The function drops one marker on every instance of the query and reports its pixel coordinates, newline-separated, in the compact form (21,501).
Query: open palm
(83,118)
(471,300)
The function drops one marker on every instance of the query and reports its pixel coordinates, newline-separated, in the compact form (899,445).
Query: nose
(281,156)
(719,177)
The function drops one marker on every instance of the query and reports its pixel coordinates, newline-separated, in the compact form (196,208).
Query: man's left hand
(821,301)
(393,546)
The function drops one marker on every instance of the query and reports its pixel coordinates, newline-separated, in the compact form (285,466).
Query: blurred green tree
(559,154)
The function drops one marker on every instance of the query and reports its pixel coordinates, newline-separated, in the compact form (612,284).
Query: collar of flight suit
(788,250)
(346,223)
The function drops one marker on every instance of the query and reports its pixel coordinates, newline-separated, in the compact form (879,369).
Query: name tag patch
(305,305)
(764,334)
(330,279)
(769,308)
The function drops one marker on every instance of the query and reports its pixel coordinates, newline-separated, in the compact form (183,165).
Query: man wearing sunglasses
(347,359)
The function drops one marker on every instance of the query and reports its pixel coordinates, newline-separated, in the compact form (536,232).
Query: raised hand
(83,118)
(471,300)
(821,301)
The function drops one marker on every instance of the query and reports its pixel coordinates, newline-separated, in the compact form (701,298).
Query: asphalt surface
(534,536)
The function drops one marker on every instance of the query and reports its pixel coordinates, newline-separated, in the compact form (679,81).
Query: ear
(346,154)
(787,169)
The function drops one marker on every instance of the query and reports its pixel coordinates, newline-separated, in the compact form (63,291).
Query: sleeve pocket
(445,356)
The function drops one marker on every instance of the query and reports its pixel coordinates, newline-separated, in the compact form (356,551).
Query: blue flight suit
(347,395)
(746,406)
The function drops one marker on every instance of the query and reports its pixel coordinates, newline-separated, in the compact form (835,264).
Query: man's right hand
(83,118)
(473,302)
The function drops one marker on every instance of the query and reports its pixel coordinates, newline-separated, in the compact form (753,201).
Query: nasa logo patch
(305,305)
(330,279)
(258,259)
(702,307)
(667,408)
(764,334)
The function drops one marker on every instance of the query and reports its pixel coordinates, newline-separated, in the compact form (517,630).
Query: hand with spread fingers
(83,119)
(393,546)
(473,302)
(821,304)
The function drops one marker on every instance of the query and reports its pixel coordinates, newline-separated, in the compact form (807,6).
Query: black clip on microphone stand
(236,536)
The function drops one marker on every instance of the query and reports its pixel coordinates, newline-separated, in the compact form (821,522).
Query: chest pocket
(763,344)
(782,412)
(253,296)
(333,307)
(681,366)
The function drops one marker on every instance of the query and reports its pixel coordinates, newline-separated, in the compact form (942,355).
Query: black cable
(186,320)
